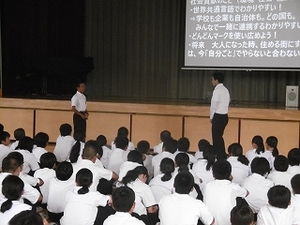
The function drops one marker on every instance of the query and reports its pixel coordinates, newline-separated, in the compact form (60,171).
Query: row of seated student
(125,167)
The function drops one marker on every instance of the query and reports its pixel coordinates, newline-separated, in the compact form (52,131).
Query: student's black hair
(123,199)
(209,153)
(272,141)
(74,152)
(65,129)
(79,81)
(47,160)
(27,217)
(221,169)
(164,135)
(184,182)
(122,132)
(41,139)
(133,174)
(25,143)
(12,189)
(84,178)
(260,165)
(182,161)
(203,143)
(235,149)
(167,167)
(294,157)
(4,135)
(18,156)
(19,133)
(90,150)
(10,164)
(101,140)
(258,140)
(295,182)
(143,146)
(183,144)
(218,76)
(241,215)
(279,196)
(135,156)
(170,145)
(1,127)
(64,171)
(121,142)
(281,163)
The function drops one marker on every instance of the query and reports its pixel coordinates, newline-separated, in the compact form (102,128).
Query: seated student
(180,208)
(258,149)
(203,143)
(279,176)
(81,202)
(164,135)
(257,184)
(102,141)
(295,183)
(46,173)
(294,161)
(134,159)
(278,211)
(239,163)
(183,145)
(12,189)
(169,147)
(25,147)
(271,149)
(123,203)
(241,215)
(123,132)
(58,188)
(40,140)
(220,195)
(4,146)
(145,203)
(144,147)
(18,134)
(28,217)
(163,183)
(64,143)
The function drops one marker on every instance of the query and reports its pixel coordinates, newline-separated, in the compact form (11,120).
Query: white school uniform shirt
(270,215)
(81,209)
(58,190)
(157,159)
(148,163)
(158,148)
(63,147)
(161,188)
(239,170)
(15,209)
(220,100)
(125,167)
(30,193)
(106,155)
(295,201)
(198,155)
(46,175)
(258,187)
(117,157)
(122,218)
(38,152)
(4,151)
(29,179)
(178,209)
(97,172)
(220,197)
(30,162)
(251,154)
(281,178)
(130,146)
(293,170)
(14,145)
(143,196)
(79,101)
(199,168)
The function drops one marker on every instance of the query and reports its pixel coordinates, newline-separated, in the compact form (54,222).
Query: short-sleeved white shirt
(46,175)
(4,151)
(161,188)
(220,197)
(15,209)
(295,201)
(38,152)
(157,159)
(198,155)
(30,162)
(82,208)
(220,100)
(281,178)
(293,170)
(79,101)
(251,154)
(239,171)
(258,187)
(122,218)
(125,167)
(29,179)
(57,193)
(178,209)
(117,157)
(63,147)
(158,148)
(199,168)
(106,155)
(14,145)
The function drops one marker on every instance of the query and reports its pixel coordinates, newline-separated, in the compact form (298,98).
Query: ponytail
(84,178)
(258,140)
(132,175)
(167,168)
(272,141)
(236,149)
(83,190)
(6,205)
(209,153)
(74,153)
(182,160)
(243,160)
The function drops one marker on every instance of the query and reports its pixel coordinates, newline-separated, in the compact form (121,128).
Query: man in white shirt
(219,113)
(78,104)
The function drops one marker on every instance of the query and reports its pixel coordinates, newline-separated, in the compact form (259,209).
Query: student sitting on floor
(241,215)
(295,182)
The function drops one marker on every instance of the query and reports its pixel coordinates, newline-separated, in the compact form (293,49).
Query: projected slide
(243,34)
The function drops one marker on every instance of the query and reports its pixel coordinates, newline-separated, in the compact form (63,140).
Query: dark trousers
(219,123)
(79,125)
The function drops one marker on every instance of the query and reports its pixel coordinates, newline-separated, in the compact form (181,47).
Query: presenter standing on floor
(219,113)
(78,103)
